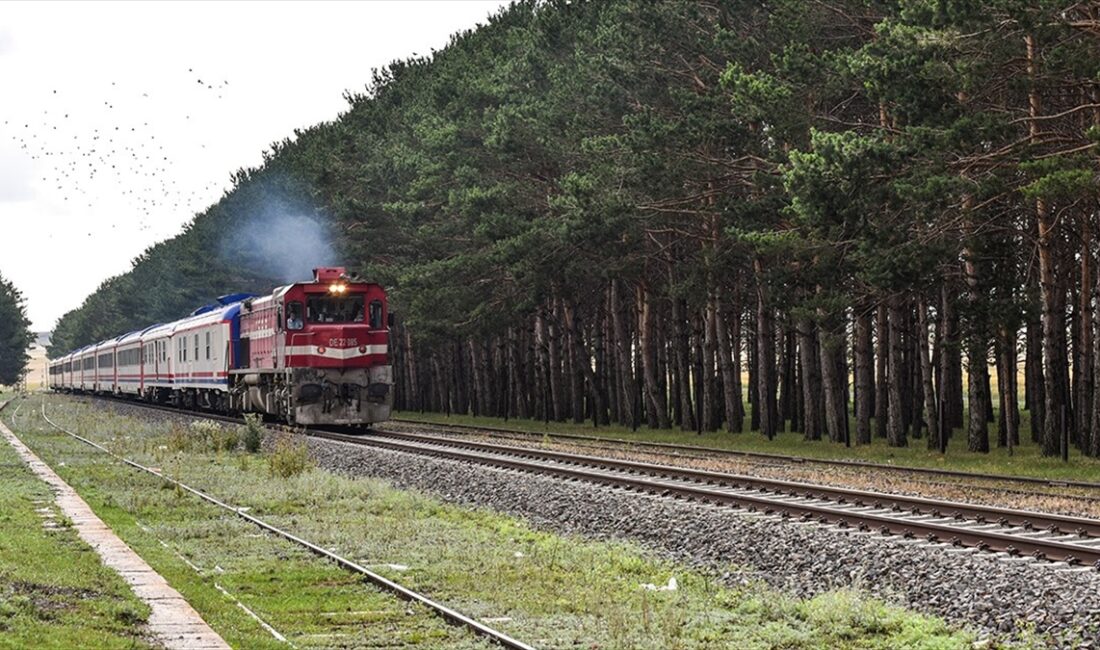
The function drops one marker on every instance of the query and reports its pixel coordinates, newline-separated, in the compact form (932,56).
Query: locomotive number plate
(343,343)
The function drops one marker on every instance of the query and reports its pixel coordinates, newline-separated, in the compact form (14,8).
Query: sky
(121,121)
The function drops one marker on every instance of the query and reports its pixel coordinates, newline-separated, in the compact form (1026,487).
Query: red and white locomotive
(309,353)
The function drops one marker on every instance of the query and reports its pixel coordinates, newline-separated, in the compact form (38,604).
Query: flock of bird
(86,150)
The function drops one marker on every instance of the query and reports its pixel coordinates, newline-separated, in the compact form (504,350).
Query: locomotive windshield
(328,309)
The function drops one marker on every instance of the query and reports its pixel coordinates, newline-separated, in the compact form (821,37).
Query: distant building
(38,367)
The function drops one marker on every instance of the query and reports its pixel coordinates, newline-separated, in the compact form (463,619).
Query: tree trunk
(788,364)
(813,421)
(765,354)
(751,347)
(1048,284)
(735,337)
(1008,386)
(554,362)
(578,360)
(1084,359)
(682,363)
(930,409)
(623,357)
(543,408)
(864,374)
(951,393)
(415,400)
(1033,372)
(895,428)
(831,347)
(731,395)
(978,376)
(658,408)
(1094,448)
(882,357)
(709,345)
(518,406)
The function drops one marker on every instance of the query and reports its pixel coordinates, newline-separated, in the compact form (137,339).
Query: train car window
(294,316)
(208,346)
(323,309)
(376,314)
(196,347)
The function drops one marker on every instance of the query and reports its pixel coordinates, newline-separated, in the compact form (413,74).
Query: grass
(549,590)
(1025,460)
(54,593)
(198,548)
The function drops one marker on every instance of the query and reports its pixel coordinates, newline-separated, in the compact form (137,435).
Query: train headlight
(337,288)
(362,349)
(320,349)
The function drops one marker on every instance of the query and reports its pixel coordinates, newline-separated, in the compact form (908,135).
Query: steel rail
(719,451)
(916,505)
(933,531)
(451,615)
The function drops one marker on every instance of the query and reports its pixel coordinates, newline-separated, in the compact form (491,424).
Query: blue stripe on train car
(184,382)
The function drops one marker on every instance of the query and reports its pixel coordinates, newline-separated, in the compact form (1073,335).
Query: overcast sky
(120,121)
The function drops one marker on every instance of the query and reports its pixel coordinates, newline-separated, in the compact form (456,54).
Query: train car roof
(215,315)
(230,307)
(209,317)
(135,336)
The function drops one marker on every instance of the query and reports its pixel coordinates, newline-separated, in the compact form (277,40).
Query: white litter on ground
(671,586)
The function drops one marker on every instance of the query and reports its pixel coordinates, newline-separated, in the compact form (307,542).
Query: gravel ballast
(991,592)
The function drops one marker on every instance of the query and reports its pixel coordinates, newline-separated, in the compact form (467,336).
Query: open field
(54,592)
(544,589)
(1025,459)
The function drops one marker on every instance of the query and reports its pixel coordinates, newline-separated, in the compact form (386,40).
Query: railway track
(704,452)
(1073,540)
(1047,536)
(447,613)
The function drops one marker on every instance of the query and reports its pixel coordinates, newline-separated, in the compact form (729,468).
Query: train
(309,353)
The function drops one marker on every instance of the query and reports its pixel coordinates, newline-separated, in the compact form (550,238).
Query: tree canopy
(615,209)
(15,333)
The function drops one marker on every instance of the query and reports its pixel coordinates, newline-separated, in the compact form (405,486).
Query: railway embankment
(546,588)
(1010,598)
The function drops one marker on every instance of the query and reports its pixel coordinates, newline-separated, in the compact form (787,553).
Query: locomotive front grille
(341,395)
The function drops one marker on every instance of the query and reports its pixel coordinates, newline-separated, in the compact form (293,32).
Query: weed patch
(252,432)
(289,457)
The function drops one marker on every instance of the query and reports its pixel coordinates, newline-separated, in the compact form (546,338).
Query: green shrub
(253,432)
(289,457)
